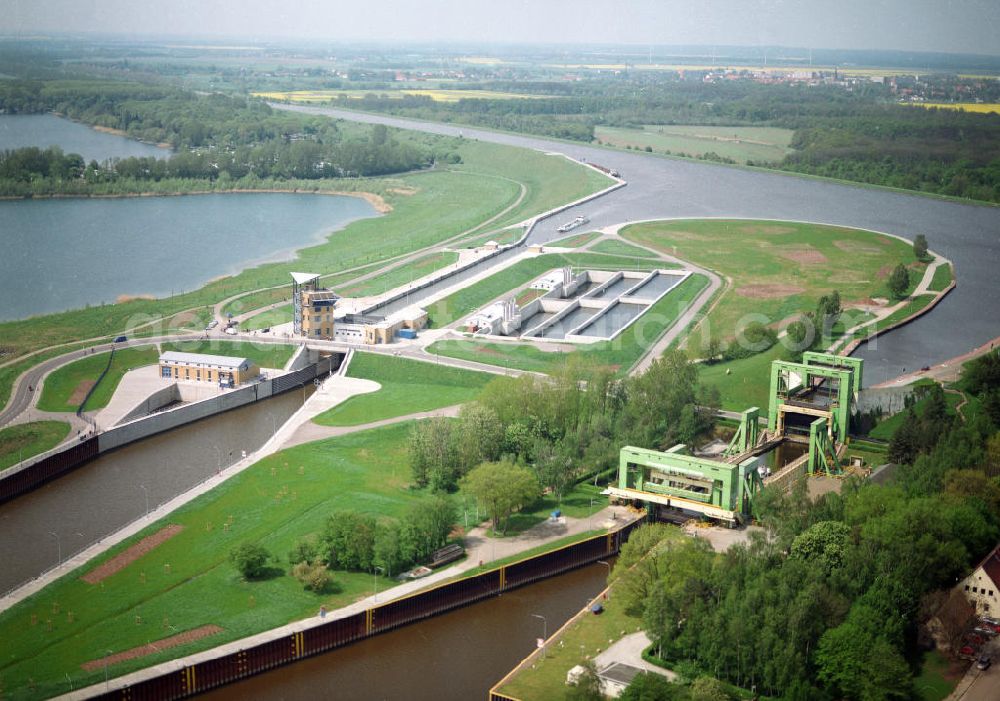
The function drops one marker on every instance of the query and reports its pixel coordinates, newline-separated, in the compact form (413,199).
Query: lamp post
(608,565)
(375,579)
(58,547)
(145,493)
(107,654)
(545,630)
(218,459)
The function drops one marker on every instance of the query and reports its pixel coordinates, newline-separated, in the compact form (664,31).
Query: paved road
(662,188)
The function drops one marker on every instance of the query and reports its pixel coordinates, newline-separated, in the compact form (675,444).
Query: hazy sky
(967,26)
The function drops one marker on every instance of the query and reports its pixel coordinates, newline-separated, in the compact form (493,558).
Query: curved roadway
(663,188)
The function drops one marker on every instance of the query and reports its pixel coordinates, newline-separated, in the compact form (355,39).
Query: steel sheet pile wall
(336,633)
(17,482)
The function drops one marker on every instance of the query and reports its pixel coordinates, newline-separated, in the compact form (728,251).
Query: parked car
(211,325)
(984,662)
(121,339)
(985,630)
(231,330)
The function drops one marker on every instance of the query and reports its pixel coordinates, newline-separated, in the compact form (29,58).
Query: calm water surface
(65,254)
(44,130)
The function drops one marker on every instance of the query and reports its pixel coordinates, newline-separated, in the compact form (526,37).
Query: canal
(459,655)
(66,515)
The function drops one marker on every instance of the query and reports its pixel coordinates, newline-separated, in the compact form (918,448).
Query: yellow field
(981,107)
(439,95)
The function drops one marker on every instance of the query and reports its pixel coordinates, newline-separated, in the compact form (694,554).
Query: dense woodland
(215,137)
(561,432)
(859,135)
(828,603)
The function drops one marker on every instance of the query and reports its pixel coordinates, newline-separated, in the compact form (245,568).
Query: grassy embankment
(265,355)
(414,270)
(427,208)
(21,441)
(620,248)
(408,386)
(741,144)
(187,581)
(777,270)
(66,387)
(576,241)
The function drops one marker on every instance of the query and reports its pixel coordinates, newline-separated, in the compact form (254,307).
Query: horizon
(963,27)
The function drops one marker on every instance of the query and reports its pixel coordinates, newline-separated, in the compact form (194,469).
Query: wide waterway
(44,130)
(68,514)
(661,188)
(459,655)
(67,253)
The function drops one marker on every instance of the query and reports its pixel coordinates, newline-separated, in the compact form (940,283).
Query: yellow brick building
(200,367)
(312,307)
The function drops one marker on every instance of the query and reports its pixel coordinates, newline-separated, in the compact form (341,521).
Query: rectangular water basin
(617,316)
(567,323)
(656,286)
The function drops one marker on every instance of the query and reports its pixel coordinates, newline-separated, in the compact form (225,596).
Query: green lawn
(21,441)
(187,581)
(777,269)
(942,278)
(620,248)
(400,276)
(576,241)
(265,355)
(477,295)
(272,317)
(742,144)
(584,638)
(747,382)
(937,678)
(620,353)
(505,236)
(408,386)
(580,502)
(65,388)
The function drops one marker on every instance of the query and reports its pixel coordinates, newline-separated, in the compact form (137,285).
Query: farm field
(66,387)
(979,107)
(265,355)
(437,95)
(21,441)
(742,144)
(186,582)
(408,386)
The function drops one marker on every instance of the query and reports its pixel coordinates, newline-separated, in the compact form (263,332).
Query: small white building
(982,587)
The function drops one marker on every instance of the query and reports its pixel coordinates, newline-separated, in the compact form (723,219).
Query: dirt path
(151,648)
(131,554)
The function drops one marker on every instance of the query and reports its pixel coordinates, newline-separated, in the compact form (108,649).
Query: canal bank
(260,653)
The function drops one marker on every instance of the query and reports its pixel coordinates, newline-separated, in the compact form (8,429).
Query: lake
(66,253)
(44,130)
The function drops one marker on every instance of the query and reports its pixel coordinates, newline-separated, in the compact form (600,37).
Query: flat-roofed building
(223,370)
(312,307)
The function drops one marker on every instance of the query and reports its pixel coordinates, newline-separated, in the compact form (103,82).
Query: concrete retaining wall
(157,400)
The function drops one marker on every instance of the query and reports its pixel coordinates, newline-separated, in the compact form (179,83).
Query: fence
(208,674)
(17,481)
